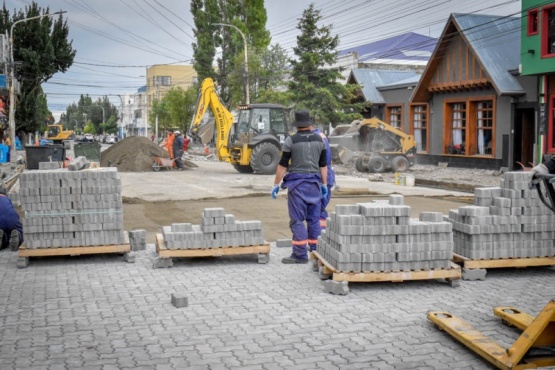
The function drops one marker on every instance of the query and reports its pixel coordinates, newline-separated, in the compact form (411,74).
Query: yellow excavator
(380,145)
(252,143)
(57,134)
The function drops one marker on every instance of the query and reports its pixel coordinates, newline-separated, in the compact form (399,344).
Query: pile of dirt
(132,154)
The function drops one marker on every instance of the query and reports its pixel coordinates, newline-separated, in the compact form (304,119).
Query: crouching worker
(11,231)
(304,154)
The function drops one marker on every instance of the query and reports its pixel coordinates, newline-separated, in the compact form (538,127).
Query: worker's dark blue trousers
(304,202)
(9,220)
(323,211)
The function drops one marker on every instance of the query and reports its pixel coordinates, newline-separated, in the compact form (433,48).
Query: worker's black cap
(302,119)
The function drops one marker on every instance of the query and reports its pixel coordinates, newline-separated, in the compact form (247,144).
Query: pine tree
(313,82)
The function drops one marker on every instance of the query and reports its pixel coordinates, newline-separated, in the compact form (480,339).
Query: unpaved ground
(272,212)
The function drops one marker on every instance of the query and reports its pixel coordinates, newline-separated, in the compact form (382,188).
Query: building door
(523,138)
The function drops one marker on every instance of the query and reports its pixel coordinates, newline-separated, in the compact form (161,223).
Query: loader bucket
(340,154)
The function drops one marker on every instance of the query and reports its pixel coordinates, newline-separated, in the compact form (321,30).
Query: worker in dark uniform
(304,156)
(11,231)
(330,182)
(178,150)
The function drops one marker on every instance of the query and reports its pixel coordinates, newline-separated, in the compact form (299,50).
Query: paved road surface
(98,312)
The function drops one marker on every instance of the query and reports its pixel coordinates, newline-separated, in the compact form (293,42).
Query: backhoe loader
(253,143)
(380,146)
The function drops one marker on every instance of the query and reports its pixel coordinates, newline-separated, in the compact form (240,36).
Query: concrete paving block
(129,257)
(179,300)
(473,211)
(213,212)
(162,263)
(473,274)
(135,234)
(284,243)
(229,219)
(431,216)
(49,165)
(263,258)
(396,199)
(336,287)
(22,262)
(180,227)
(347,209)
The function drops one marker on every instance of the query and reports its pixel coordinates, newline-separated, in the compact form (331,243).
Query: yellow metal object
(245,155)
(533,349)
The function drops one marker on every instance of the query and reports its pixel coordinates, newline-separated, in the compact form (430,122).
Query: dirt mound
(132,154)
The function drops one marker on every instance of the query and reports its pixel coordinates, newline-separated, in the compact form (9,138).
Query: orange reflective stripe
(323,223)
(312,241)
(300,242)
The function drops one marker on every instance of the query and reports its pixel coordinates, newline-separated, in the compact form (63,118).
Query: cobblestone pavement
(98,312)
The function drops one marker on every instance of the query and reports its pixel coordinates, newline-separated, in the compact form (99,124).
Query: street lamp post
(11,116)
(246,57)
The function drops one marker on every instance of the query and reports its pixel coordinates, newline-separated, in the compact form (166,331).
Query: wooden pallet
(262,250)
(23,253)
(503,262)
(476,269)
(452,275)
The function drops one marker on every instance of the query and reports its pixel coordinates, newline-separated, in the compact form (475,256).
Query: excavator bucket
(205,132)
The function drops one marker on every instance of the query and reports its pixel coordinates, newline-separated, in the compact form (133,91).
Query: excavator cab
(259,133)
(259,119)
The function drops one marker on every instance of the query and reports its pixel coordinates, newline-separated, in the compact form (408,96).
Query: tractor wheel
(265,158)
(376,165)
(400,164)
(242,169)
(360,166)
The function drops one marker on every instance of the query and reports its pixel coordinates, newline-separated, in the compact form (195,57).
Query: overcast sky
(116,40)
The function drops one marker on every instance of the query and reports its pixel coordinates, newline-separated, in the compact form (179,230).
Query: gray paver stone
(129,257)
(159,263)
(22,262)
(180,300)
(473,274)
(336,287)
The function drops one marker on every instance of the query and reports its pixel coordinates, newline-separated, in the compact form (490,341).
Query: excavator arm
(208,97)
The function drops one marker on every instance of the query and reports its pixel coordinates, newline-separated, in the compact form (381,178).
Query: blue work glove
(275,191)
(325,190)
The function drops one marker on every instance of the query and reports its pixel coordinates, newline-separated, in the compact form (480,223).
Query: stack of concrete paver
(508,221)
(381,236)
(217,229)
(71,208)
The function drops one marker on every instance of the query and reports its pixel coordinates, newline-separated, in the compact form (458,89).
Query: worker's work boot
(14,240)
(292,259)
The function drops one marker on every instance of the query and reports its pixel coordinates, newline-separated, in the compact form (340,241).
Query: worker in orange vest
(169,142)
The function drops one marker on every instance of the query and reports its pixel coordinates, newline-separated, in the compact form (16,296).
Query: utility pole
(12,76)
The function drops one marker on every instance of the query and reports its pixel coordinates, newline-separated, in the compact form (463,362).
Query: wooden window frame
(426,128)
(545,29)
(533,14)
(471,125)
(388,109)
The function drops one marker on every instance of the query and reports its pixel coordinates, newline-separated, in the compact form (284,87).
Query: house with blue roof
(471,107)
(409,51)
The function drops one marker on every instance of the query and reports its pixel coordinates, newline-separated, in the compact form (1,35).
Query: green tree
(94,111)
(313,82)
(247,15)
(41,49)
(205,14)
(175,109)
(89,128)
